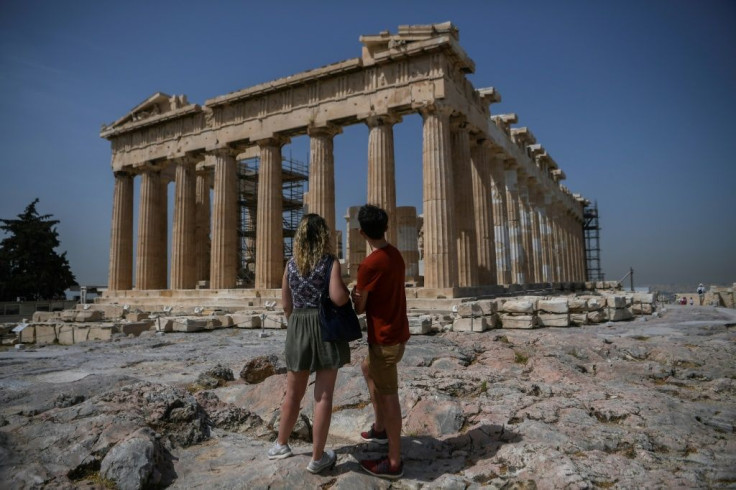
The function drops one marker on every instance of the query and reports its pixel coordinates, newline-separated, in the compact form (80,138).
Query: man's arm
(360,299)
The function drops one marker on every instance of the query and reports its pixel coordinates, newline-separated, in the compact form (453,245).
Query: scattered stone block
(522,306)
(616,301)
(212,322)
(274,321)
(136,316)
(578,318)
(596,316)
(477,324)
(245,320)
(596,304)
(469,309)
(420,325)
(101,332)
(27,335)
(80,333)
(45,334)
(644,298)
(642,309)
(134,328)
(577,305)
(65,334)
(554,319)
(487,306)
(165,323)
(68,316)
(556,305)
(189,325)
(226,321)
(619,314)
(90,316)
(44,316)
(519,321)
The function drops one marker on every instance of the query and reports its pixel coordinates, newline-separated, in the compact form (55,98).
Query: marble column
(149,218)
(480,176)
(120,277)
(545,239)
(202,212)
(466,243)
(536,254)
(224,250)
(355,245)
(500,220)
(440,255)
(183,246)
(525,226)
(322,176)
(568,246)
(381,187)
(407,242)
(269,220)
(557,247)
(582,276)
(514,225)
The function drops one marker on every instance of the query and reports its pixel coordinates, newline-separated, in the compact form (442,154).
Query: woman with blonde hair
(304,280)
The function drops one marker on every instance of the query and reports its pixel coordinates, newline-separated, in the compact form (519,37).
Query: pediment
(156,104)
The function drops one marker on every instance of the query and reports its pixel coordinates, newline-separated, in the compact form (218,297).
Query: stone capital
(187,159)
(122,174)
(329,130)
(509,163)
(458,122)
(375,120)
(224,151)
(435,107)
(275,140)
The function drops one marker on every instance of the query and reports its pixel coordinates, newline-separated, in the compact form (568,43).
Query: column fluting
(120,277)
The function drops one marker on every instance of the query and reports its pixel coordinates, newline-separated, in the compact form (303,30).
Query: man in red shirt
(381,295)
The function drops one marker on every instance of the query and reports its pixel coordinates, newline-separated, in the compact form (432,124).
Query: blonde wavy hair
(311,242)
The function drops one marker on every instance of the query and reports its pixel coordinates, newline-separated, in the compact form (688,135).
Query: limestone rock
(553,305)
(554,319)
(420,325)
(519,321)
(469,309)
(477,324)
(259,368)
(131,463)
(518,306)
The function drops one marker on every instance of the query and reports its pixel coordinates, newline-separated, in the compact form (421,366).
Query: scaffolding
(294,175)
(592,243)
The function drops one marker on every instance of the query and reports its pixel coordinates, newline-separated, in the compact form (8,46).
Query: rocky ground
(640,404)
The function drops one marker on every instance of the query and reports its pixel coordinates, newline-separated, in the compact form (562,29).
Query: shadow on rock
(427,458)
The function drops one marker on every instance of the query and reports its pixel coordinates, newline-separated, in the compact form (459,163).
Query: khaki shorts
(382,361)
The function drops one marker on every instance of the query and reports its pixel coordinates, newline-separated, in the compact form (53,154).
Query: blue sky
(633,99)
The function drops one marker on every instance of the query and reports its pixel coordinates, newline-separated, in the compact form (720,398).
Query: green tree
(30,268)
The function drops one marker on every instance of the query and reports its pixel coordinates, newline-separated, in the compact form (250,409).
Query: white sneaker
(328,460)
(278,451)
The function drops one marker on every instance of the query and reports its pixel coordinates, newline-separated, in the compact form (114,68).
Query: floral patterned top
(306,291)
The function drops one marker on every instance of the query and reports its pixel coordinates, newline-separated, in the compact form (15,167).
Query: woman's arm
(286,294)
(338,290)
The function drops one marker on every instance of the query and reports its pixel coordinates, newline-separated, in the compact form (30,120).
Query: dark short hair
(373,221)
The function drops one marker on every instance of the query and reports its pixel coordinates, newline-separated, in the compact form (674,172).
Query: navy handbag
(337,322)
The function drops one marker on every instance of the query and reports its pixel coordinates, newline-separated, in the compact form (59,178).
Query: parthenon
(494,209)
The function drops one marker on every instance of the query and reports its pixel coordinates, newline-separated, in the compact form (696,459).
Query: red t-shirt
(382,274)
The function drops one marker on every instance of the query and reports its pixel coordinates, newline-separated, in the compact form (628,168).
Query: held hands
(355,295)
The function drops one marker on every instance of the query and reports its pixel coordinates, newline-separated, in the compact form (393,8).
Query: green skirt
(305,349)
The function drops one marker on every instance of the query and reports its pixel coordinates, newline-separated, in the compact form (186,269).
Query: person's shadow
(426,458)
